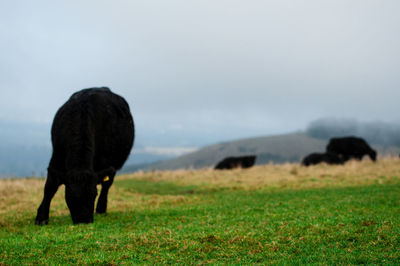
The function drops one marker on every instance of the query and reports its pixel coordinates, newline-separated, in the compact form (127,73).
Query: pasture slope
(273,214)
(283,148)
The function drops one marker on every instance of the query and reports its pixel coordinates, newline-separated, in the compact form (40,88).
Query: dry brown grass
(353,173)
(19,196)
(25,195)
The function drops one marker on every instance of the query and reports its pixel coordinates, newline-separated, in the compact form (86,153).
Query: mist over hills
(25,148)
(277,149)
(377,132)
(382,136)
(270,149)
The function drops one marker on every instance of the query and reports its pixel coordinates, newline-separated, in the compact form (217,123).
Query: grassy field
(284,214)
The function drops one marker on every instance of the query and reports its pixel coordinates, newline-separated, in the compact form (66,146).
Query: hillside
(277,149)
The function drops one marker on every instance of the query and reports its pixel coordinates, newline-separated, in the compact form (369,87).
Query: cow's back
(347,145)
(94,129)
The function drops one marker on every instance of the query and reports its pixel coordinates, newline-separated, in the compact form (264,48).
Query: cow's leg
(106,183)
(50,189)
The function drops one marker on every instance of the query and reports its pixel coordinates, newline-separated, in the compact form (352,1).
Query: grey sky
(211,66)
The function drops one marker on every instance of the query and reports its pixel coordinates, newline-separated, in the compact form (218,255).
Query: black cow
(234,162)
(316,158)
(92,135)
(351,147)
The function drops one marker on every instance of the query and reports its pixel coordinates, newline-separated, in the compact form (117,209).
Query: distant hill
(276,149)
(25,149)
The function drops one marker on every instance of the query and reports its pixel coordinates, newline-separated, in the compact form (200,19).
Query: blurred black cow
(234,162)
(316,158)
(92,135)
(351,147)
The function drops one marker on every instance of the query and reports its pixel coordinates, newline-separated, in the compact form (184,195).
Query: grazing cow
(351,147)
(316,158)
(234,162)
(92,135)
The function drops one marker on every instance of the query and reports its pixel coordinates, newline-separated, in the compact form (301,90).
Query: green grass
(175,219)
(358,225)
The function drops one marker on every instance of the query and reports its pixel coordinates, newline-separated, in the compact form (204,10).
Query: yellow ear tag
(106,179)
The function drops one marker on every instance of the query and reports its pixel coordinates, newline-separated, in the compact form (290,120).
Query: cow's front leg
(50,189)
(105,186)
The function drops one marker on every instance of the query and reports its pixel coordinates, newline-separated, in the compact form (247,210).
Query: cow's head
(372,155)
(80,195)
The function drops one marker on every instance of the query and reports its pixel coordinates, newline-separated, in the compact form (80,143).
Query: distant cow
(316,158)
(234,162)
(351,147)
(92,135)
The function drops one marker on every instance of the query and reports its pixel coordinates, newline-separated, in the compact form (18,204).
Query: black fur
(316,158)
(92,135)
(234,162)
(351,147)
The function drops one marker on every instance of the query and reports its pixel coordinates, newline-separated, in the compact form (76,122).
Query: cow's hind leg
(50,189)
(106,183)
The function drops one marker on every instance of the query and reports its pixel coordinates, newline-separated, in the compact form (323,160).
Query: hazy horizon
(217,68)
(25,148)
(201,72)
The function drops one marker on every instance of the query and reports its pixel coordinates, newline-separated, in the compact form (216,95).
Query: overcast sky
(216,68)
